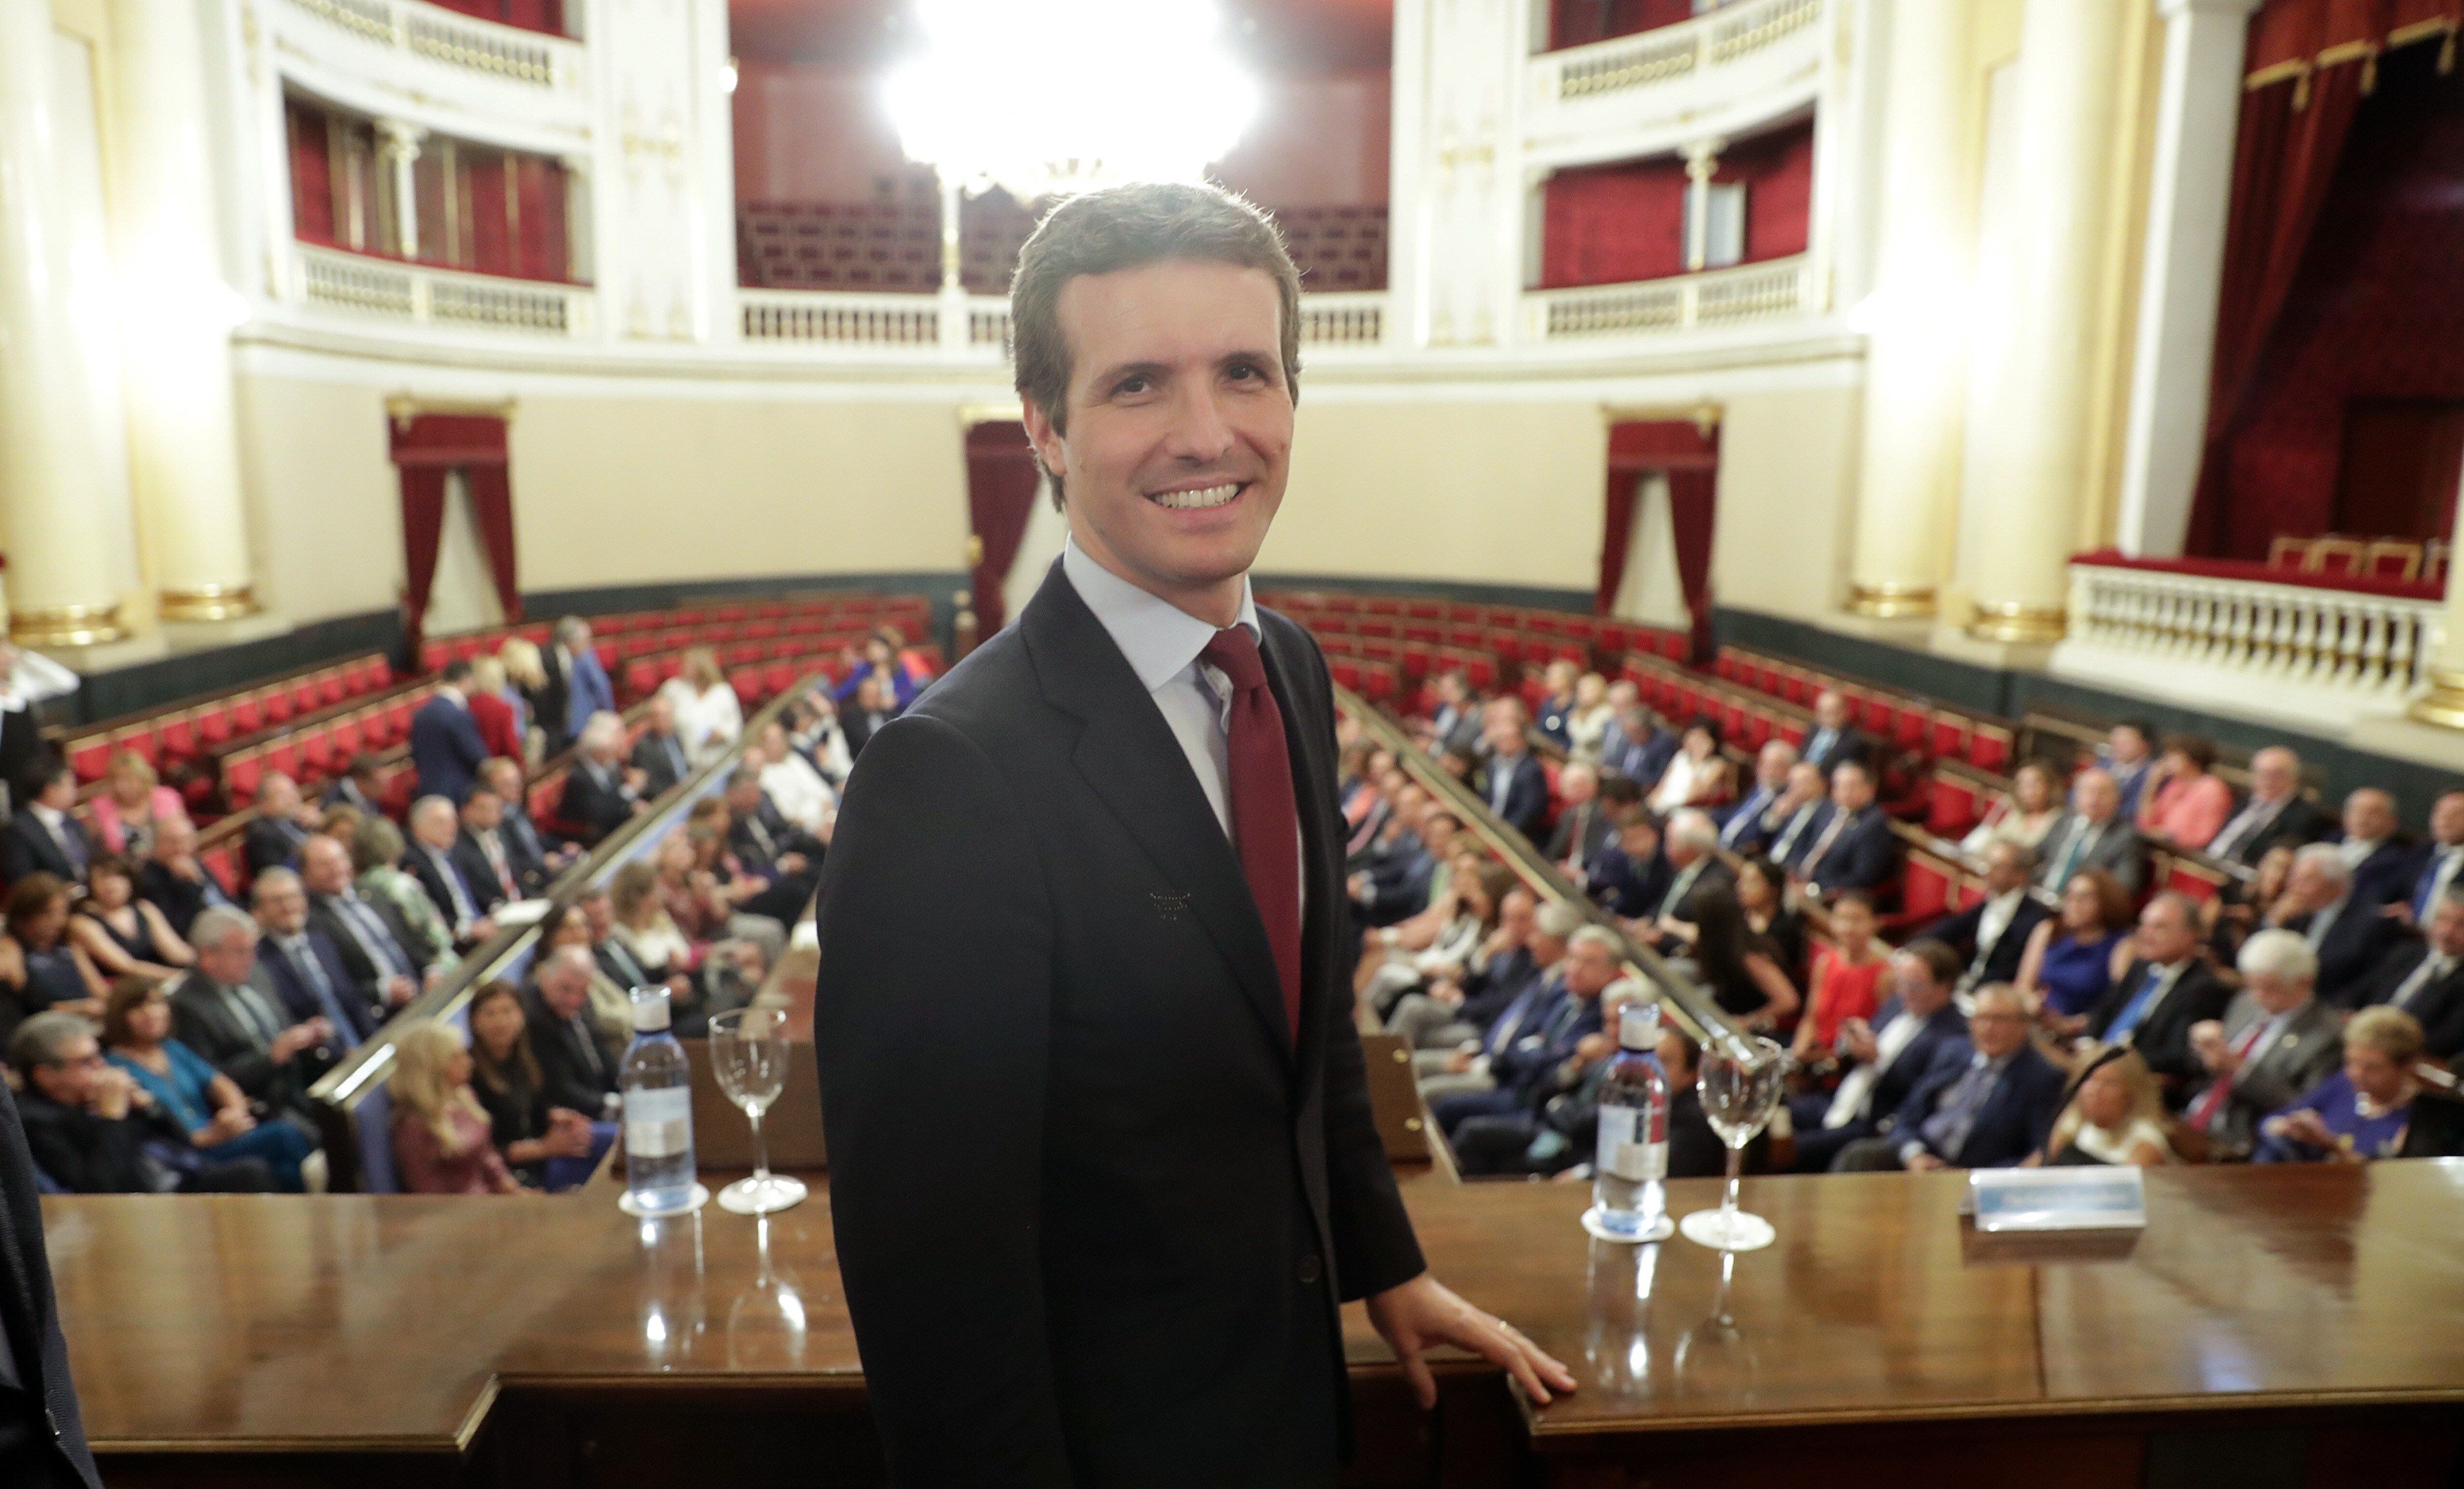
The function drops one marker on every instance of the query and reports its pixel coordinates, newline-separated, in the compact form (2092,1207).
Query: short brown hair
(128,994)
(1101,232)
(1940,963)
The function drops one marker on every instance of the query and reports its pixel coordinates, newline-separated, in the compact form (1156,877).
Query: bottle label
(1633,1146)
(659,1124)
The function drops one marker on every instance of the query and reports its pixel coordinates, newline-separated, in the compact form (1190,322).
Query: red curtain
(427,448)
(1620,222)
(1689,455)
(1777,172)
(312,173)
(540,204)
(1572,23)
(1001,493)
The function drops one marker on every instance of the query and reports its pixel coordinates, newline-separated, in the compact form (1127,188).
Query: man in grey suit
(2277,1041)
(2093,835)
(221,1009)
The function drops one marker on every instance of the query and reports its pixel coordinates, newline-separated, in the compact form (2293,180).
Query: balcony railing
(420,295)
(460,41)
(1750,293)
(1667,54)
(1335,322)
(2202,634)
(917,323)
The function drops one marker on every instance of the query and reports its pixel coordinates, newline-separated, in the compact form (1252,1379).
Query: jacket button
(1308,1270)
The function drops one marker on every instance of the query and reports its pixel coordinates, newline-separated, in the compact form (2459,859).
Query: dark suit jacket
(177,898)
(1155,1161)
(2298,822)
(2386,875)
(271,843)
(1625,886)
(1862,857)
(325,917)
(2354,942)
(480,875)
(599,806)
(1400,888)
(204,1019)
(2002,962)
(2277,1073)
(1527,795)
(1582,831)
(27,846)
(1848,744)
(2118,849)
(2439,1005)
(1743,830)
(42,1437)
(662,762)
(2163,1035)
(446,749)
(423,868)
(300,998)
(1944,1030)
(2015,1120)
(567,1076)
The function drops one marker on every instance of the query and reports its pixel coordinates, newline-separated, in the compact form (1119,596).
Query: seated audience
(93,1131)
(1883,1059)
(2383,865)
(2236,910)
(1408,880)
(1761,894)
(374,942)
(206,1103)
(813,724)
(1515,786)
(443,1141)
(175,881)
(1993,932)
(1749,825)
(1740,970)
(446,745)
(224,1010)
(1583,825)
(1630,877)
(2343,928)
(2116,1116)
(131,806)
(1535,1064)
(1456,1005)
(577,684)
(2073,957)
(695,883)
(1634,747)
(120,933)
(2361,1111)
(1846,983)
(2441,858)
(1793,817)
(1699,775)
(1534,981)
(1588,721)
(659,762)
(2275,1042)
(537,862)
(1986,1103)
(787,860)
(1557,704)
(43,835)
(710,718)
(2425,978)
(601,795)
(1456,725)
(432,859)
(866,713)
(305,969)
(1691,850)
(2276,813)
(1850,847)
(633,954)
(611,1001)
(1834,740)
(40,967)
(284,819)
(2183,805)
(2163,992)
(377,854)
(794,786)
(360,786)
(549,1148)
(2023,816)
(496,720)
(1438,942)
(578,1068)
(901,679)
(2094,834)
(485,856)
(2129,758)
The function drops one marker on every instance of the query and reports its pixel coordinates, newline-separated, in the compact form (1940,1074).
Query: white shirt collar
(1160,638)
(449,690)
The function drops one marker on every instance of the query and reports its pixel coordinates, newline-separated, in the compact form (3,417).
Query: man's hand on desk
(1425,1311)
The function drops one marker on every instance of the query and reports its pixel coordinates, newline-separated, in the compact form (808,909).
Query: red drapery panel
(312,173)
(1777,172)
(1618,222)
(1689,455)
(539,235)
(427,448)
(1573,23)
(1001,494)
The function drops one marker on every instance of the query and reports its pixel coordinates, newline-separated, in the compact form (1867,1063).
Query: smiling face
(1179,426)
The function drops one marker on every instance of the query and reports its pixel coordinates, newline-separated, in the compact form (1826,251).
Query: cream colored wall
(324,516)
(1788,472)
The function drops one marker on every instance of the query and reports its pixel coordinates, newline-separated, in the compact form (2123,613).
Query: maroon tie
(1265,830)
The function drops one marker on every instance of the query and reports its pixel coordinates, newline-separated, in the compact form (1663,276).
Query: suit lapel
(1131,759)
(1307,737)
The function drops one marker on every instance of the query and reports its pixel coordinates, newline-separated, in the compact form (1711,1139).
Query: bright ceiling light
(1069,95)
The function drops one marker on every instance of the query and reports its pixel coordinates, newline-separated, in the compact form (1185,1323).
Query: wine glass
(1740,1082)
(748,1053)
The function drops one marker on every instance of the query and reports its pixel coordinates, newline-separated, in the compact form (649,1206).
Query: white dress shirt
(799,792)
(1857,1087)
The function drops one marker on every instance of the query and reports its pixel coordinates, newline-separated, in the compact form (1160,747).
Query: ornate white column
(60,571)
(954,289)
(398,145)
(1702,163)
(183,444)
(2189,192)
(2033,463)
(2444,704)
(1916,336)
(581,244)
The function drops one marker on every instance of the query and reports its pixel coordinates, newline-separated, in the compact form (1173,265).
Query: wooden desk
(552,1342)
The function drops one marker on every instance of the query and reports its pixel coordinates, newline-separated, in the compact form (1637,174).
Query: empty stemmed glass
(1741,1084)
(748,1053)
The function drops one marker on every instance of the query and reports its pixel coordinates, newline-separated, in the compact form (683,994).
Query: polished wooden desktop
(2315,1313)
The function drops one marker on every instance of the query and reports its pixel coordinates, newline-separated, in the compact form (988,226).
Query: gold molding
(206,602)
(1891,600)
(67,626)
(2444,704)
(2018,624)
(403,407)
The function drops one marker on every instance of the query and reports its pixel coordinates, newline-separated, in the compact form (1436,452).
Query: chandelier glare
(1064,96)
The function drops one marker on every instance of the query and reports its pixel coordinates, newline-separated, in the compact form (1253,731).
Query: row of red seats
(318,753)
(1512,633)
(750,620)
(1907,722)
(165,738)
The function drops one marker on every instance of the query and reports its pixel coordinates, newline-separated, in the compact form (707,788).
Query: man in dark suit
(359,787)
(2384,863)
(93,1131)
(2276,813)
(174,881)
(1140,1048)
(1884,1058)
(766,846)
(2347,934)
(2166,991)
(224,1010)
(1516,787)
(1692,850)
(283,822)
(486,856)
(2442,861)
(1527,1071)
(1835,738)
(2093,833)
(305,969)
(1513,1001)
(602,794)
(369,936)
(535,860)
(2275,1042)
(659,755)
(446,749)
(1749,825)
(1583,825)
(577,684)
(42,836)
(431,857)
(1992,933)
(2426,980)
(1402,885)
(873,706)
(42,1437)
(578,1069)
(1985,1103)
(1456,724)
(1631,876)
(1849,846)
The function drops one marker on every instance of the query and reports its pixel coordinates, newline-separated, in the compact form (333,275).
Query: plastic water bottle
(1630,1183)
(658,1110)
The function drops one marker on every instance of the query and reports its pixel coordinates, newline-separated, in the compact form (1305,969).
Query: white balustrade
(1668,54)
(421,295)
(912,323)
(2295,653)
(1344,321)
(1747,294)
(418,29)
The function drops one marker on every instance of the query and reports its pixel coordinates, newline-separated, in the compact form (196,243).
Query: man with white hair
(1583,827)
(1985,1103)
(1634,747)
(224,1010)
(794,786)
(601,795)
(1691,846)
(2276,813)
(304,967)
(2276,1042)
(2093,833)
(1530,1069)
(659,755)
(435,827)
(576,1069)
(2346,934)
(1750,824)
